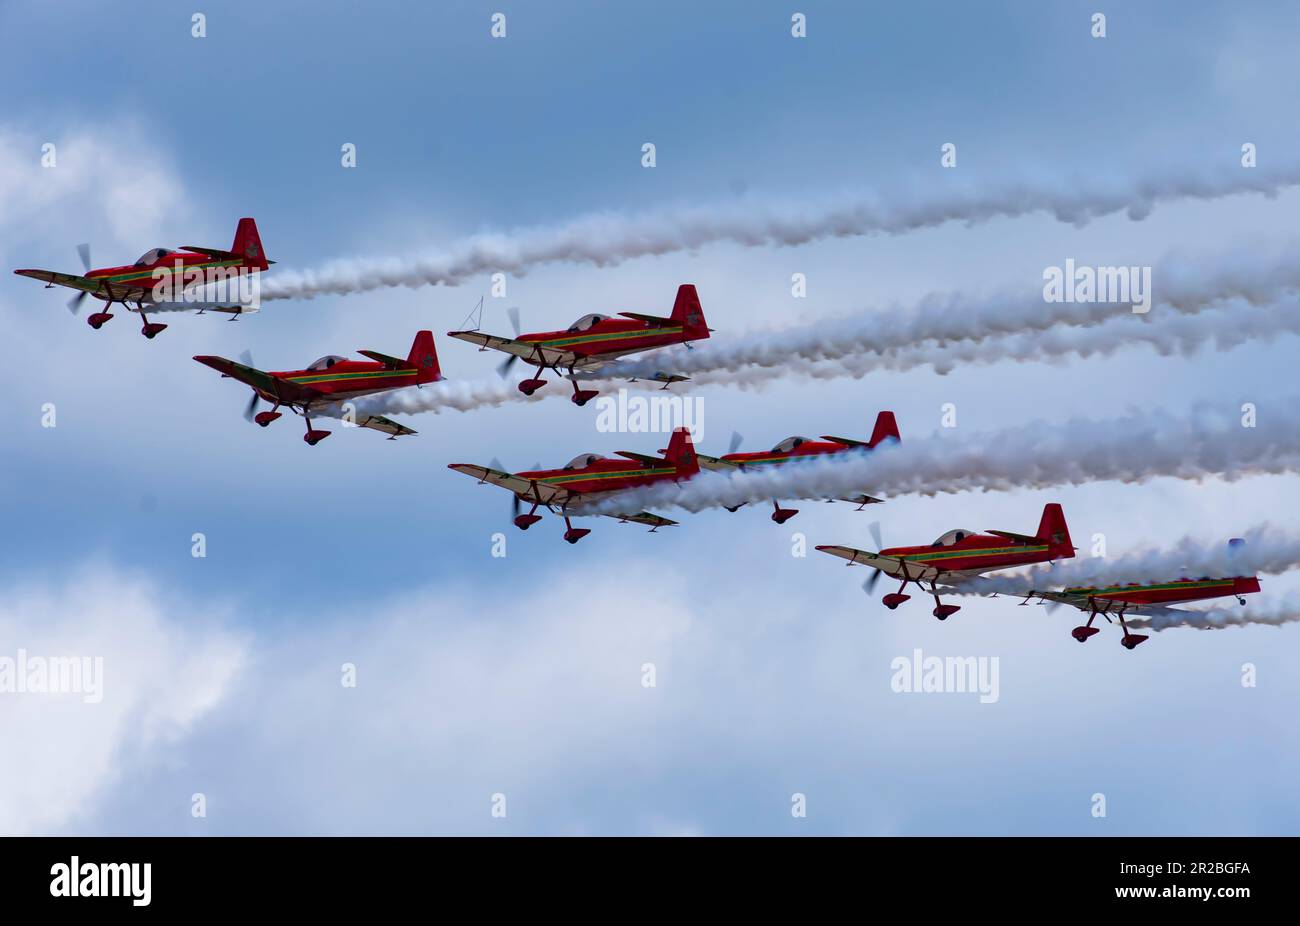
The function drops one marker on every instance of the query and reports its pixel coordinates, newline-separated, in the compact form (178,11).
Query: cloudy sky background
(522,675)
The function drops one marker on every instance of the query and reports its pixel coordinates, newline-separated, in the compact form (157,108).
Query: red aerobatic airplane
(588,478)
(961,554)
(794,449)
(595,340)
(1149,598)
(175,271)
(334,379)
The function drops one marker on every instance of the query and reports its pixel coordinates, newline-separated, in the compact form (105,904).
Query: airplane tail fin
(248,245)
(681,453)
(424,357)
(886,430)
(689,313)
(1053,531)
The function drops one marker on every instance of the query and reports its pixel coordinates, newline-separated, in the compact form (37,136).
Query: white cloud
(533,689)
(98,187)
(163,669)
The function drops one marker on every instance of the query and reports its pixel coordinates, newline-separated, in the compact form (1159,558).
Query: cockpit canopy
(583,460)
(790,443)
(953,536)
(326,362)
(152,256)
(587,321)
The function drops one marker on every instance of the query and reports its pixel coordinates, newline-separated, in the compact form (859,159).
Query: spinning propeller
(869,585)
(515,500)
(74,304)
(246,358)
(504,368)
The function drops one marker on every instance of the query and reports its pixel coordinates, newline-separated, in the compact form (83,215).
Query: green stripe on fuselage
(148,274)
(317,379)
(959,554)
(572,340)
(580,477)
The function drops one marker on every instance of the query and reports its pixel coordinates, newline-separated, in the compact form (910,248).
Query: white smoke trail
(1267,550)
(1223,329)
(1233,323)
(1133,449)
(1269,613)
(607,239)
(1186,286)
(453,395)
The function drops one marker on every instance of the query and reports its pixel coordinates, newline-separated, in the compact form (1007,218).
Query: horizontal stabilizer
(641,457)
(211,252)
(393,363)
(652,319)
(846,441)
(1019,538)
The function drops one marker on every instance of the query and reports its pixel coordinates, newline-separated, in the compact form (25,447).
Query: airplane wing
(71,280)
(890,565)
(525,350)
(285,391)
(540,492)
(645,517)
(863,500)
(387,425)
(716,464)
(233,308)
(1105,605)
(126,292)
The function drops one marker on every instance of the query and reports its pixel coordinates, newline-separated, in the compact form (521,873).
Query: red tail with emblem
(248,245)
(424,358)
(1053,531)
(681,453)
(689,314)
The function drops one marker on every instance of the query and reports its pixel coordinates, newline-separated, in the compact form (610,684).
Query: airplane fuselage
(348,379)
(610,338)
(977,553)
(805,450)
(603,476)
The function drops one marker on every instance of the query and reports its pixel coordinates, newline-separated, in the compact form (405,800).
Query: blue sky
(521,675)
